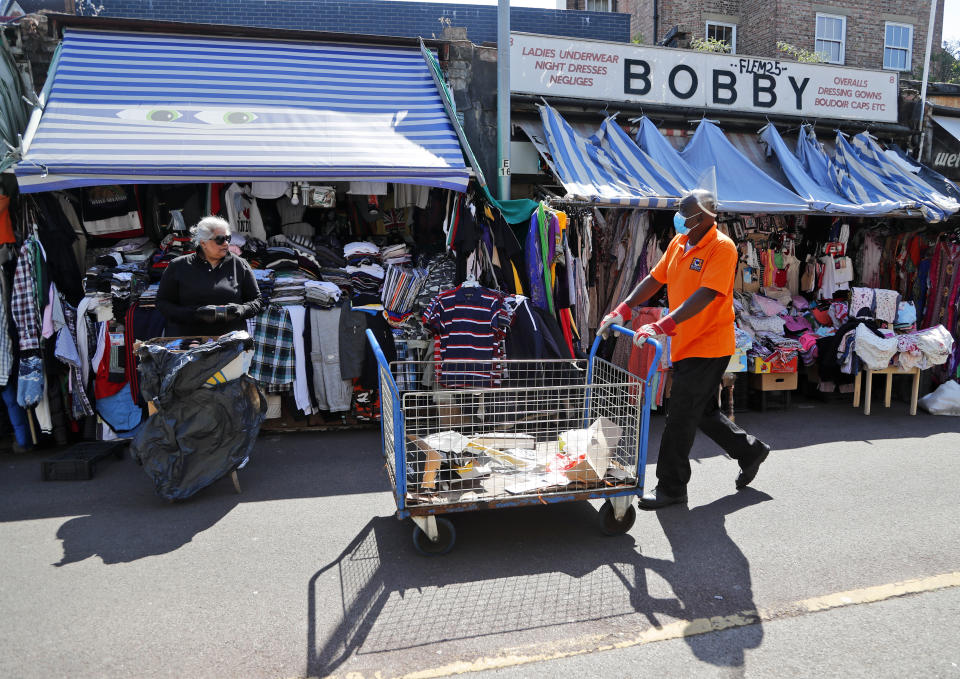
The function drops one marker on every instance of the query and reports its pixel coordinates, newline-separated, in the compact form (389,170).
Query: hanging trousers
(693,404)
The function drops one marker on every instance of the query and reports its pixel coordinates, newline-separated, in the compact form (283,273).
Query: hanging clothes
(470,323)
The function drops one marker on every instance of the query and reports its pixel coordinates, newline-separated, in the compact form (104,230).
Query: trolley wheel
(609,524)
(447,536)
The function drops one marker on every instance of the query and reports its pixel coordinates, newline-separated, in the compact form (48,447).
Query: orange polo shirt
(711,263)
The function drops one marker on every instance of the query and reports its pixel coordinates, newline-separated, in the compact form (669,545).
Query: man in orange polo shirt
(698,269)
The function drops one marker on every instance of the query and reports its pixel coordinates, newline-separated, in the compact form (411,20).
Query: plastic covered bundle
(207,419)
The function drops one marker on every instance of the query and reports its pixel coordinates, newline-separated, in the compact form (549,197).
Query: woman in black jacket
(210,292)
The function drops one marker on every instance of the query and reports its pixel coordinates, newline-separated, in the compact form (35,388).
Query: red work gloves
(665,326)
(618,316)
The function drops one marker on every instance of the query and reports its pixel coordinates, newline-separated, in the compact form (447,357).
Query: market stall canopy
(596,168)
(821,198)
(133,107)
(943,184)
(741,185)
(859,187)
(934,205)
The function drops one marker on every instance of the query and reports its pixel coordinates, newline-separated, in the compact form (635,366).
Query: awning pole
(926,75)
(503,99)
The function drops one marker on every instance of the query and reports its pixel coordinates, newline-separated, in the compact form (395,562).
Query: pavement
(842,559)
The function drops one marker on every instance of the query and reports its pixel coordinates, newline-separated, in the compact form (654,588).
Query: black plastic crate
(79,463)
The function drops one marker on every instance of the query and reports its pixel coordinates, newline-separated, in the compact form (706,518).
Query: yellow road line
(682,628)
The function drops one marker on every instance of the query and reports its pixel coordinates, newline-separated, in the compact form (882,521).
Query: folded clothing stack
(289,289)
(281,258)
(339,277)
(361,252)
(366,281)
(265,281)
(322,294)
(396,254)
(148,298)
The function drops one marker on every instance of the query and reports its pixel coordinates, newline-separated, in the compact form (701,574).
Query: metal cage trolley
(509,433)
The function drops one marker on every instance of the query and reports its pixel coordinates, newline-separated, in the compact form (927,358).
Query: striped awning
(132,107)
(935,206)
(597,169)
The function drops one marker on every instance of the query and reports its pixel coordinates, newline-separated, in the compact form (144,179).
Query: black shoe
(748,473)
(656,499)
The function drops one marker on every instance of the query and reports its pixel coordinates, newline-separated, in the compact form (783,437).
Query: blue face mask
(680,224)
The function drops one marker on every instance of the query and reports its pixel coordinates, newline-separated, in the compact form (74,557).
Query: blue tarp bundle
(823,198)
(935,206)
(591,171)
(942,184)
(741,185)
(859,179)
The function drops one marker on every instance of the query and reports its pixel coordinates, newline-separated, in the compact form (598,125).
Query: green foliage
(637,39)
(944,64)
(710,45)
(800,54)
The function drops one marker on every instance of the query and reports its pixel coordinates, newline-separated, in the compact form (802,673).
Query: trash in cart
(516,433)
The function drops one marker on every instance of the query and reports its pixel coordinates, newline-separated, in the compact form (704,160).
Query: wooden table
(889,372)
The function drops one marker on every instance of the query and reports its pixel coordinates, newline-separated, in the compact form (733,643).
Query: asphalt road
(308,573)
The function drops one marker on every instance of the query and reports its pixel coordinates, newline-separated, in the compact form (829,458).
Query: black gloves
(207,314)
(233,311)
(219,314)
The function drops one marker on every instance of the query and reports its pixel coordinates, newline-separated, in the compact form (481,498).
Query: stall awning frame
(135,107)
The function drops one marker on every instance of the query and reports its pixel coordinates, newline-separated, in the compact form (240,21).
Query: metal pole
(926,75)
(503,99)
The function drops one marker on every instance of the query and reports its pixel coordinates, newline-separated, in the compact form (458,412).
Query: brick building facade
(375,17)
(863,33)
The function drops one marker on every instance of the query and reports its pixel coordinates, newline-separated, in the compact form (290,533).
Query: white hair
(204,230)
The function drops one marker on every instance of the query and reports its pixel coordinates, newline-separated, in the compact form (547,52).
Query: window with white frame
(897,46)
(600,5)
(723,32)
(831,37)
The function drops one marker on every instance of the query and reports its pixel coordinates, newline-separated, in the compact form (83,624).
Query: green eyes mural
(169,115)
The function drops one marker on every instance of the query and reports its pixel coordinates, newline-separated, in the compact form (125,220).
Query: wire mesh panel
(513,429)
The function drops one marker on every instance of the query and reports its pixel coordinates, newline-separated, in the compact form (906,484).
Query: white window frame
(843,37)
(908,48)
(608,3)
(733,43)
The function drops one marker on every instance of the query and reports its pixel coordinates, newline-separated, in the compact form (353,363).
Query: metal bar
(593,355)
(926,75)
(645,416)
(520,501)
(503,99)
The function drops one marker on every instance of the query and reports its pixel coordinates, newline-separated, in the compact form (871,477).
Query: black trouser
(693,403)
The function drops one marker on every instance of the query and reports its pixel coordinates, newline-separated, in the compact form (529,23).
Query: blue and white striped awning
(821,198)
(130,107)
(595,169)
(935,206)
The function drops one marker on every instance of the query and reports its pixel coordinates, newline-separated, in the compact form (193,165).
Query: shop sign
(612,72)
(945,153)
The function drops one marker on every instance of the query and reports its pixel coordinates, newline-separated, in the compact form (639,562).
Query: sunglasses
(220,240)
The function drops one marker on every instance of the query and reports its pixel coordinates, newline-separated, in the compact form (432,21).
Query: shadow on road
(516,571)
(116,516)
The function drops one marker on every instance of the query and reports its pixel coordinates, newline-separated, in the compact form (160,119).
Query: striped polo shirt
(470,324)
